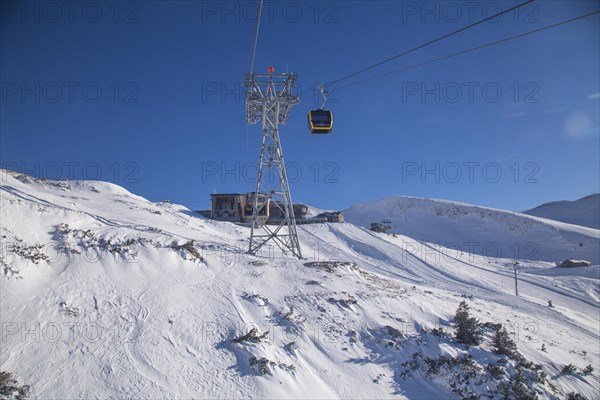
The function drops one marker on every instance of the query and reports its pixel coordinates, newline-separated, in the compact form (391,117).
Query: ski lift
(320,121)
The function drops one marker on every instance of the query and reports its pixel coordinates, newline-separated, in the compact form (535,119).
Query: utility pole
(269,99)
(515,264)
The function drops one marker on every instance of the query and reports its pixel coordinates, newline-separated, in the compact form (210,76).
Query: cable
(431,42)
(258,15)
(472,49)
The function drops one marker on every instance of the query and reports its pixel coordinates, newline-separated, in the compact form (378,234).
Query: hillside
(584,212)
(106,294)
(480,230)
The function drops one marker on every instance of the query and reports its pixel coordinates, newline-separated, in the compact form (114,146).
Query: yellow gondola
(320,121)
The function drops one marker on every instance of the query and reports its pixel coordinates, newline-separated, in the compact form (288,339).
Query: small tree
(503,343)
(588,369)
(522,389)
(467,327)
(518,388)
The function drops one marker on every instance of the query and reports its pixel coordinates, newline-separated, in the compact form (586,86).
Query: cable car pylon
(269,99)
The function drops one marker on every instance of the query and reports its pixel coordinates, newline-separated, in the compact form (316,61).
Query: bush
(262,365)
(253,336)
(496,371)
(9,388)
(576,396)
(189,248)
(518,388)
(439,332)
(467,327)
(568,369)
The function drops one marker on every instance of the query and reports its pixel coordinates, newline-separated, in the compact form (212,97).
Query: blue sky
(148,95)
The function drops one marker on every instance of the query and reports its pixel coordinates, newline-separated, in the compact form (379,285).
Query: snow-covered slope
(480,230)
(584,212)
(105,294)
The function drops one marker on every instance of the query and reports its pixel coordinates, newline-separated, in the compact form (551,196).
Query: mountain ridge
(584,211)
(445,222)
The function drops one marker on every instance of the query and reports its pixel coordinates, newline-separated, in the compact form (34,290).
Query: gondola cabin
(320,121)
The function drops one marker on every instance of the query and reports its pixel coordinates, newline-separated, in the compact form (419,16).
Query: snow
(584,212)
(116,301)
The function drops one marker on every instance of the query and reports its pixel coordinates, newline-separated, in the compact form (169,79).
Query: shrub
(253,336)
(568,369)
(575,396)
(9,388)
(518,388)
(439,332)
(496,371)
(262,364)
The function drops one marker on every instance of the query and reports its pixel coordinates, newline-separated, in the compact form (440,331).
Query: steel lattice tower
(269,99)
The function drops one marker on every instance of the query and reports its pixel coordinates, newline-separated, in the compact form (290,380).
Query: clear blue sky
(148,95)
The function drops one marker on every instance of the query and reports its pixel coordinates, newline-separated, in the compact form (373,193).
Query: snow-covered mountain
(105,294)
(480,230)
(584,212)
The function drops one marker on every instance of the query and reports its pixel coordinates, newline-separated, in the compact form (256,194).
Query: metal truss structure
(269,99)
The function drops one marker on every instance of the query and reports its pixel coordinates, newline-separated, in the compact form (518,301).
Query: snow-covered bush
(568,369)
(10,389)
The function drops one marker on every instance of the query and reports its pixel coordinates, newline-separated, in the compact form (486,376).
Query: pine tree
(521,390)
(467,327)
(503,343)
